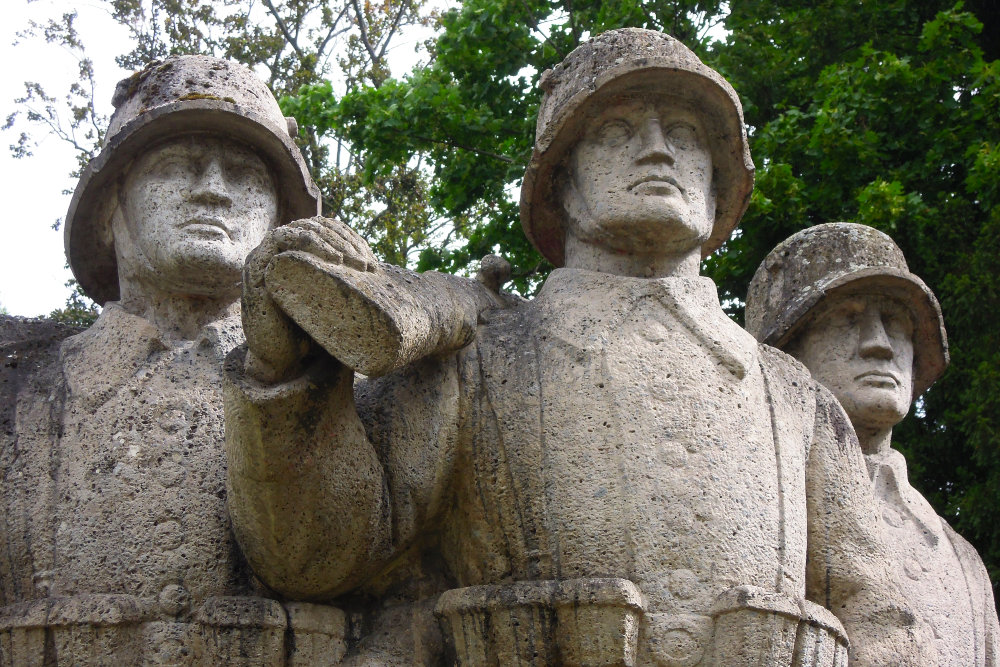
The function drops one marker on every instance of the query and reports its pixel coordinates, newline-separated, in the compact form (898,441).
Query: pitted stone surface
(612,473)
(840,298)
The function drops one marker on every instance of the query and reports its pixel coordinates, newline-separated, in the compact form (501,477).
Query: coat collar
(119,344)
(583,307)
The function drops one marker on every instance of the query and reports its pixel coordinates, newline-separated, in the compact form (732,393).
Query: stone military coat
(116,540)
(616,443)
(947,579)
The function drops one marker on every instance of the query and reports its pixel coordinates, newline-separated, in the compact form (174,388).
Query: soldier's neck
(178,317)
(874,440)
(581,255)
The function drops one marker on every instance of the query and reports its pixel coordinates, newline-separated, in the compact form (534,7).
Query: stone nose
(873,341)
(654,146)
(211,186)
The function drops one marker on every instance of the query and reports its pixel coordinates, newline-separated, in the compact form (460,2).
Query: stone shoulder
(26,334)
(29,348)
(787,366)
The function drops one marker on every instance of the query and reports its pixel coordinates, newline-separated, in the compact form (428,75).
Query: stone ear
(109,214)
(573,204)
(712,200)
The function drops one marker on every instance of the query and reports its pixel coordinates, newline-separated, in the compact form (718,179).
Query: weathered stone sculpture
(611,474)
(116,541)
(840,298)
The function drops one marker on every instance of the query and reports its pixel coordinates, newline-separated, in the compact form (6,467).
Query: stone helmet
(615,62)
(843,257)
(179,96)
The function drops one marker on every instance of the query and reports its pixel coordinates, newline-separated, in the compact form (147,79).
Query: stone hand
(327,239)
(276,344)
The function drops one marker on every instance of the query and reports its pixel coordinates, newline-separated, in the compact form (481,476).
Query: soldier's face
(642,178)
(194,208)
(861,348)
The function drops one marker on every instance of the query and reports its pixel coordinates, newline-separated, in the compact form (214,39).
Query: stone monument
(116,542)
(612,473)
(840,298)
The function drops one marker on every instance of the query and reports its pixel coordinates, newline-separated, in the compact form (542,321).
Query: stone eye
(682,137)
(172,166)
(614,133)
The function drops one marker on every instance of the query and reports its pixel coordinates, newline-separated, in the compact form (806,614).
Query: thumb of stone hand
(276,344)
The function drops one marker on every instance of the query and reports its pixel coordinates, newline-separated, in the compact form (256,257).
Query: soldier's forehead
(652,99)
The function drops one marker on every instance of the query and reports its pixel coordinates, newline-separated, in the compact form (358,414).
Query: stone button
(172,420)
(170,474)
(677,641)
(914,570)
(892,517)
(173,599)
(673,454)
(684,584)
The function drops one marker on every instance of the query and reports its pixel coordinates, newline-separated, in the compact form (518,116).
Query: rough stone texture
(839,297)
(613,473)
(115,544)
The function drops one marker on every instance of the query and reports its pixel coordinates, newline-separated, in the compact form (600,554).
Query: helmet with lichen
(644,62)
(836,258)
(179,96)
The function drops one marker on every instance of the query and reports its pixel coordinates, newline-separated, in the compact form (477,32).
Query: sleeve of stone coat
(992,624)
(987,625)
(848,565)
(317,505)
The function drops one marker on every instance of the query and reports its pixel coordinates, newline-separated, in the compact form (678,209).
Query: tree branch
(284,29)
(395,24)
(364,31)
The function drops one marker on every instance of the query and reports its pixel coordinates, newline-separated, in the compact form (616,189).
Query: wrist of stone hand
(270,373)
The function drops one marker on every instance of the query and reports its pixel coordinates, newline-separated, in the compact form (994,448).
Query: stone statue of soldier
(613,473)
(840,298)
(116,540)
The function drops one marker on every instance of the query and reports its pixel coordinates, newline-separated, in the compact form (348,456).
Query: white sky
(32,273)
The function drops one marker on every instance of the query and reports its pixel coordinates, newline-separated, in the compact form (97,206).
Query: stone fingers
(334,238)
(295,237)
(276,343)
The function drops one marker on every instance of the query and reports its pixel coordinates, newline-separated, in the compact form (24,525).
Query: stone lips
(180,96)
(839,258)
(612,64)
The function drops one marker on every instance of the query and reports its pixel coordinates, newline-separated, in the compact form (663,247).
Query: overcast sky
(32,272)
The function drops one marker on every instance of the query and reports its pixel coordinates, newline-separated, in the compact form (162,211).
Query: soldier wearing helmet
(840,298)
(613,473)
(116,542)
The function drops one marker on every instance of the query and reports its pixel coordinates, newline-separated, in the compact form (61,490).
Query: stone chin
(875,407)
(191,265)
(649,225)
